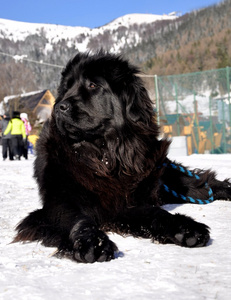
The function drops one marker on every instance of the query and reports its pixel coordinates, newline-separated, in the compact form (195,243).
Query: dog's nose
(63,107)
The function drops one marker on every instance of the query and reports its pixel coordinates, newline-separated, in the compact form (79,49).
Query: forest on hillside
(195,42)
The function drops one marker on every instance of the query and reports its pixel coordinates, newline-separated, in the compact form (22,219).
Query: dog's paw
(183,231)
(197,236)
(93,246)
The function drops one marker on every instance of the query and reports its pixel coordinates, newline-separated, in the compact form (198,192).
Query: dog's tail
(35,227)
(179,185)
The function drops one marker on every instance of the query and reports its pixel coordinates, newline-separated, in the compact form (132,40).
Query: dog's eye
(92,85)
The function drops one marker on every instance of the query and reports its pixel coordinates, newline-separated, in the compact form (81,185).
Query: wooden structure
(172,124)
(199,136)
(38,103)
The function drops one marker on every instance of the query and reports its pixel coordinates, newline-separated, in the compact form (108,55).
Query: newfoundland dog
(100,167)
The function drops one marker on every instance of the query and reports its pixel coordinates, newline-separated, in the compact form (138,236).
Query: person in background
(6,139)
(32,138)
(24,118)
(18,134)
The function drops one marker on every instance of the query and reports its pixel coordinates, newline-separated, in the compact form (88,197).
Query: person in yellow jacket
(18,134)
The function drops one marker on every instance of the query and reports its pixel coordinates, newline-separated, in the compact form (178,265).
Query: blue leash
(187,198)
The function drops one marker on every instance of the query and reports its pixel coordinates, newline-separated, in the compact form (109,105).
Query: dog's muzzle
(62,107)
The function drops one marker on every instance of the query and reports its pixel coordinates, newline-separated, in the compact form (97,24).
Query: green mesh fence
(196,105)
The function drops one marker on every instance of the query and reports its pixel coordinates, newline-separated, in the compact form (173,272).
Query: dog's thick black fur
(100,167)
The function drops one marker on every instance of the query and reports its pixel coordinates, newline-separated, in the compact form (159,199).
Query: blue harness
(187,198)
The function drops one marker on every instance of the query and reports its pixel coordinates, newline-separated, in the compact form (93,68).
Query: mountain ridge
(163,45)
(56,44)
(19,31)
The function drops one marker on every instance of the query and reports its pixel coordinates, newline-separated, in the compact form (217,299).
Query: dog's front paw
(193,235)
(93,246)
(183,231)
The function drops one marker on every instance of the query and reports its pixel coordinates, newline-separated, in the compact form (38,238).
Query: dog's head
(97,92)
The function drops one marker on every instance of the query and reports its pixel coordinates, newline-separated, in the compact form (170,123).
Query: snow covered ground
(141,271)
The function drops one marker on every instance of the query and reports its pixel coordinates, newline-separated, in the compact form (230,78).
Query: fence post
(223,125)
(157,100)
(228,90)
(197,129)
(177,109)
(211,124)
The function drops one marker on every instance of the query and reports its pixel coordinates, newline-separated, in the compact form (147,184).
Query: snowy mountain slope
(142,270)
(19,31)
(78,36)
(56,44)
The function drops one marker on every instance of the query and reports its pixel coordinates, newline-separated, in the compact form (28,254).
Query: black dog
(100,167)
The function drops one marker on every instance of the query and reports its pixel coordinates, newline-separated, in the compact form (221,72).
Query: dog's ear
(68,75)
(128,85)
(139,107)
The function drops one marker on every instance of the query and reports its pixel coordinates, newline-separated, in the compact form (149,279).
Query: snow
(142,270)
(187,105)
(76,35)
(138,19)
(18,31)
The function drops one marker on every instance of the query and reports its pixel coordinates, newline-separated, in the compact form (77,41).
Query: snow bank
(142,270)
